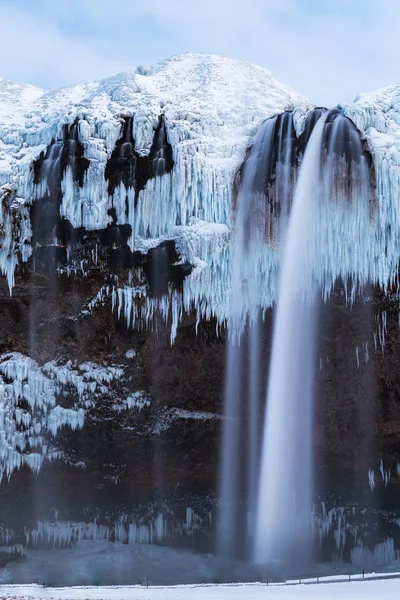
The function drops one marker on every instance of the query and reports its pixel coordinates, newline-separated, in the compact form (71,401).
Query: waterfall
(284,498)
(253,429)
(262,208)
(315,222)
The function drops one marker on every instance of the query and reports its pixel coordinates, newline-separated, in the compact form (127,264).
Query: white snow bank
(344,590)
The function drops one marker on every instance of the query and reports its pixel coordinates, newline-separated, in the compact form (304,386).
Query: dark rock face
(120,462)
(274,160)
(309,125)
(48,171)
(126,462)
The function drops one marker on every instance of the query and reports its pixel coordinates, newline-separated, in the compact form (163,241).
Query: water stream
(285,488)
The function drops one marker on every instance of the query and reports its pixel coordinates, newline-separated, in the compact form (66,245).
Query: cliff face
(160,453)
(117,206)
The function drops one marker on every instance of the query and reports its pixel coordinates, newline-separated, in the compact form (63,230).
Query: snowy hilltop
(212,106)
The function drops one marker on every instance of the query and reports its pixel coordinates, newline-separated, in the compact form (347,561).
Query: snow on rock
(15,98)
(169,415)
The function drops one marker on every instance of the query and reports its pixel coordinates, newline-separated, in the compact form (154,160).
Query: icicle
(371,479)
(385,473)
(26,445)
(383,340)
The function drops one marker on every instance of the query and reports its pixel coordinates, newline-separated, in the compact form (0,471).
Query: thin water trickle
(228,518)
(253,417)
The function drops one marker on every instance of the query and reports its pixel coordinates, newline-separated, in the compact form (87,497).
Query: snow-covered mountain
(211,103)
(210,108)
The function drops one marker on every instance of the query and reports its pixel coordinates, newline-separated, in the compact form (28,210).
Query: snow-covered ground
(373,588)
(103,563)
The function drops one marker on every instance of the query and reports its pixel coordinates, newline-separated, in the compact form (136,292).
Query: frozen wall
(178,132)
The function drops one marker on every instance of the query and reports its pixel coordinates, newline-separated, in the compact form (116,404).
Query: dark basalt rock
(49,169)
(107,251)
(162,266)
(341,137)
(275,158)
(280,145)
(133,170)
(126,462)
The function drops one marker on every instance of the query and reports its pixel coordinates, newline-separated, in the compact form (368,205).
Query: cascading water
(284,502)
(333,207)
(253,429)
(265,194)
(284,167)
(159,151)
(333,180)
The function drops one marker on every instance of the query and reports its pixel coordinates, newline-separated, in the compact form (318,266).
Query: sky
(327,50)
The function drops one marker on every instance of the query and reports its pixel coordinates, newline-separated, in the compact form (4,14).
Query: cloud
(329,51)
(44,56)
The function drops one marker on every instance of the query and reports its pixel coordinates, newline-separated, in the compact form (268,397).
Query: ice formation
(127,529)
(371,479)
(15,232)
(28,412)
(208,133)
(163,153)
(32,399)
(194,139)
